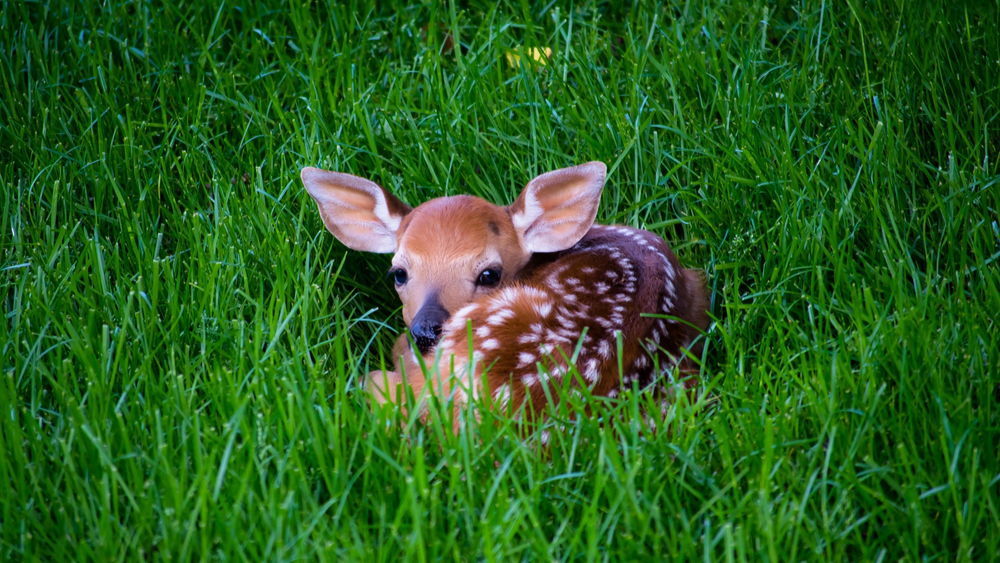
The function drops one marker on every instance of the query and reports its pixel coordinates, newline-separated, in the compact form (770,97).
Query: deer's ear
(357,211)
(556,209)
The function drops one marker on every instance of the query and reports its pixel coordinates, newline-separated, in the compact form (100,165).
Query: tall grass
(183,343)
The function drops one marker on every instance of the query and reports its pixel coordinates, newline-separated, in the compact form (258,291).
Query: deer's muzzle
(427,323)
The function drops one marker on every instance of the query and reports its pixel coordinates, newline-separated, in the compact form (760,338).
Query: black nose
(426,325)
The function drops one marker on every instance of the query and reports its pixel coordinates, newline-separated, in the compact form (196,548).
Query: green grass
(182,341)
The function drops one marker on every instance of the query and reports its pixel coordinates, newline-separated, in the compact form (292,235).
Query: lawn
(183,343)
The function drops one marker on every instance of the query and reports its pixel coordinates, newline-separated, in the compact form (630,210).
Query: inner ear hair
(556,209)
(359,212)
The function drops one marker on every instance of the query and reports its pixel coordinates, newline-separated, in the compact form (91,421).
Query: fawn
(497,299)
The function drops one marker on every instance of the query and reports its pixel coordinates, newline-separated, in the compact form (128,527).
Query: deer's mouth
(425,343)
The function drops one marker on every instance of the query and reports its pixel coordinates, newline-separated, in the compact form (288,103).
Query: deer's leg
(391,386)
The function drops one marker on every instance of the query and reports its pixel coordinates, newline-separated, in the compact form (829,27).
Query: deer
(502,301)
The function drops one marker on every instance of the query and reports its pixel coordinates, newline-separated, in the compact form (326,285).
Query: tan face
(452,250)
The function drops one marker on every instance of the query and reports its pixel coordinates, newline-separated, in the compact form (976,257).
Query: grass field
(183,342)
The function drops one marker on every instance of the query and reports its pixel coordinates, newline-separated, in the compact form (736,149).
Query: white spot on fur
(532,292)
(502,395)
(571,334)
(466,311)
(528,337)
(553,277)
(668,276)
(483,331)
(529,379)
(604,349)
(544,308)
(455,325)
(590,373)
(506,297)
(525,359)
(554,337)
(499,317)
(491,344)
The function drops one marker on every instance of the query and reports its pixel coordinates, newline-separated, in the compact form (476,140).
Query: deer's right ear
(357,211)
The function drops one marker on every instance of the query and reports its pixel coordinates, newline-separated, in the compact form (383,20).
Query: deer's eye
(488,277)
(398,276)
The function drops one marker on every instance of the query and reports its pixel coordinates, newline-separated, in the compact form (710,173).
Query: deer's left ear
(556,209)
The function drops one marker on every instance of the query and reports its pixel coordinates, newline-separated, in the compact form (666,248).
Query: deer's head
(450,250)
